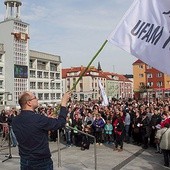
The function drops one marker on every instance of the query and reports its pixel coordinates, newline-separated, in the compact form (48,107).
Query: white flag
(105,101)
(144,32)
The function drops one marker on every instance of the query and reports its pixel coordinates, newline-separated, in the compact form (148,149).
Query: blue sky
(75,30)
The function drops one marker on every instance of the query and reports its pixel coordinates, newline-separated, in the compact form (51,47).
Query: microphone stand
(9,156)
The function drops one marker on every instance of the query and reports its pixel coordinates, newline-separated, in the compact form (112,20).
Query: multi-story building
(45,77)
(116,86)
(112,85)
(15,61)
(14,35)
(87,88)
(149,82)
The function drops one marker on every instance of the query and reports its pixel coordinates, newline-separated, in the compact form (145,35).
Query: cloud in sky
(75,30)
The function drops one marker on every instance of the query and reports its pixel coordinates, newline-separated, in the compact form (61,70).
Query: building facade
(45,77)
(87,88)
(150,83)
(116,86)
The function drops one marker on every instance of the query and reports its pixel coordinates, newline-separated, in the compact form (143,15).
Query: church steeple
(99,67)
(12,9)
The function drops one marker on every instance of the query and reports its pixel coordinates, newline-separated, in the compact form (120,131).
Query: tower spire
(99,67)
(12,9)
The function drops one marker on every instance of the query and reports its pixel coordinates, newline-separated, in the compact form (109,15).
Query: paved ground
(131,158)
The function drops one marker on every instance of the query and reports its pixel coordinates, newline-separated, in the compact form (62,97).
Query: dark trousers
(42,164)
(53,135)
(119,141)
(137,137)
(152,137)
(98,136)
(166,154)
(108,138)
(77,139)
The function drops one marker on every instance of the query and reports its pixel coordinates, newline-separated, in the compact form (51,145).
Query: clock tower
(12,9)
(14,35)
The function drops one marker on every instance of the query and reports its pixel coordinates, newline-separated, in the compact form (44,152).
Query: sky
(75,30)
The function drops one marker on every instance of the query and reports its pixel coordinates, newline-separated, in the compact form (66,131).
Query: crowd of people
(139,122)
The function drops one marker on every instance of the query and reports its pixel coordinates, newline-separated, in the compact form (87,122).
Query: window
(150,84)
(141,66)
(149,75)
(52,85)
(31,64)
(45,74)
(57,95)
(159,83)
(140,75)
(57,75)
(51,75)
(1,70)
(148,67)
(32,85)
(40,85)
(46,85)
(53,67)
(81,87)
(159,75)
(32,73)
(74,80)
(0,57)
(1,84)
(46,96)
(57,85)
(41,65)
(40,96)
(39,74)
(52,96)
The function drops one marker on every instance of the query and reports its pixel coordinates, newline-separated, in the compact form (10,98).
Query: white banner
(144,32)
(105,101)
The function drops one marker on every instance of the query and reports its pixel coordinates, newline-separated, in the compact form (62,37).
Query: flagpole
(75,84)
(98,52)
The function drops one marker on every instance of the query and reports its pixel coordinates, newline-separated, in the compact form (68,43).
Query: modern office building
(45,77)
(18,64)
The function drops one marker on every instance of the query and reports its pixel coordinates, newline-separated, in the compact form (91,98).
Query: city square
(72,158)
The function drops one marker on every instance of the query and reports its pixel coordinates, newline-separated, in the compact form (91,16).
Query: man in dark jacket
(31,130)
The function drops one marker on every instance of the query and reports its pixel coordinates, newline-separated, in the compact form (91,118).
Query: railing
(59,150)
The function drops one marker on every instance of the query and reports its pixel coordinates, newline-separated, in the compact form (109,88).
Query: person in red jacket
(119,134)
(165,119)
